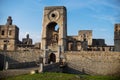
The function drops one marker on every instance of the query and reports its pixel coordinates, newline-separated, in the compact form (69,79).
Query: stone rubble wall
(22,59)
(91,62)
(94,63)
(52,68)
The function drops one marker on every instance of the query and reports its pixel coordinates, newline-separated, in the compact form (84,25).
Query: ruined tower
(54,28)
(27,40)
(9,35)
(54,33)
(117,37)
(85,35)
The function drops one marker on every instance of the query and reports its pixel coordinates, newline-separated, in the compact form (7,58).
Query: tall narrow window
(3,32)
(116,28)
(10,32)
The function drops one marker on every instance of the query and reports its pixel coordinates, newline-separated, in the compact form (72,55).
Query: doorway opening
(52,58)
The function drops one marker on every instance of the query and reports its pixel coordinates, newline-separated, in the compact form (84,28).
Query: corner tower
(54,28)
(117,37)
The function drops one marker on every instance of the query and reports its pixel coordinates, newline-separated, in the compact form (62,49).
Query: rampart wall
(22,59)
(91,62)
(94,63)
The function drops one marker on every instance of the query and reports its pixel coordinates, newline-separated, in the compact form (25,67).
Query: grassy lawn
(60,76)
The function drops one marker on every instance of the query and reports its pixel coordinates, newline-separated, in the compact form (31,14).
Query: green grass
(60,76)
(88,77)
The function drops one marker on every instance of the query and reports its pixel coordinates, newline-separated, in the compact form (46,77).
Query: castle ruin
(83,53)
(56,41)
(54,35)
(9,36)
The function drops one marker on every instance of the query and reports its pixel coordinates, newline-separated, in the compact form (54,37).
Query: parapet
(55,7)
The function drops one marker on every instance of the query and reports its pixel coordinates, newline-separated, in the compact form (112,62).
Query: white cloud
(96,6)
(36,37)
(109,18)
(110,4)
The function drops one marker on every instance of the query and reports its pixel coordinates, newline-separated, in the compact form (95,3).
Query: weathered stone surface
(52,38)
(9,36)
(21,59)
(27,40)
(117,37)
(94,63)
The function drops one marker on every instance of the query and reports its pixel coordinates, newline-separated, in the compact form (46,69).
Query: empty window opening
(56,28)
(3,32)
(53,31)
(53,15)
(10,32)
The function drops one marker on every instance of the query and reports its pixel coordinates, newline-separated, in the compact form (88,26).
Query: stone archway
(54,30)
(52,58)
(53,36)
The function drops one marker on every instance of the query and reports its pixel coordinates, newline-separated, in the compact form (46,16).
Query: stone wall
(1,61)
(52,68)
(117,37)
(91,62)
(22,59)
(117,45)
(9,36)
(94,63)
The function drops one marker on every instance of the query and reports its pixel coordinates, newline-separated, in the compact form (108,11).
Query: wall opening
(52,58)
(70,46)
(5,47)
(53,15)
(52,34)
(57,28)
(10,32)
(3,32)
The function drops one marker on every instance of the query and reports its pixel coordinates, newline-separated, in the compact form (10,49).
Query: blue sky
(97,15)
